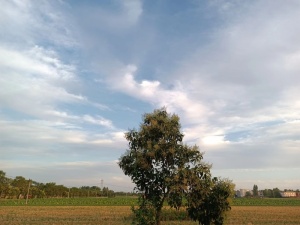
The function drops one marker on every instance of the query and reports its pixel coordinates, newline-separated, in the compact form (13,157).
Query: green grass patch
(266,202)
(129,201)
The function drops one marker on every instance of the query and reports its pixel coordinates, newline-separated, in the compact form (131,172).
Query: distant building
(288,194)
(260,194)
(242,192)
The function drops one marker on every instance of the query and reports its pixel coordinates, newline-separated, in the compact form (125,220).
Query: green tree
(160,164)
(49,189)
(22,184)
(248,194)
(4,184)
(276,193)
(209,199)
(13,192)
(35,192)
(255,190)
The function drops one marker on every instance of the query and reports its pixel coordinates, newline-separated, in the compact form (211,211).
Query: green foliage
(4,183)
(18,187)
(157,161)
(208,200)
(117,201)
(272,193)
(130,201)
(163,168)
(255,190)
(266,202)
(145,213)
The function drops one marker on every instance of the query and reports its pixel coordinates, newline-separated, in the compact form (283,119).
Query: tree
(255,190)
(276,193)
(162,167)
(22,184)
(248,194)
(50,189)
(209,199)
(4,183)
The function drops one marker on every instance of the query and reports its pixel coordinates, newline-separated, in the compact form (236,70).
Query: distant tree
(255,190)
(74,192)
(276,193)
(13,192)
(49,189)
(248,194)
(22,184)
(35,192)
(268,193)
(4,184)
(107,193)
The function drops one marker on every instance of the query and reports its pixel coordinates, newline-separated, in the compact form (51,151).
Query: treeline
(19,187)
(269,193)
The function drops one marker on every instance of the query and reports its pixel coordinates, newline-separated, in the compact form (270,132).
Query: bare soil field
(121,215)
(261,215)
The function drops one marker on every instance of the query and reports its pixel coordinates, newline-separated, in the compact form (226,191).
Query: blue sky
(76,75)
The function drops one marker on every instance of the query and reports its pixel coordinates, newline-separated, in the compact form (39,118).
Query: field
(129,201)
(116,211)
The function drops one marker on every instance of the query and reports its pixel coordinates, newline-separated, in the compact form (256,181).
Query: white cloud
(133,10)
(35,61)
(175,99)
(32,85)
(27,22)
(213,140)
(99,121)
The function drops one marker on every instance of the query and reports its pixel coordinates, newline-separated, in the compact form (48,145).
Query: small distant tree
(255,190)
(22,184)
(248,194)
(4,184)
(165,169)
(276,193)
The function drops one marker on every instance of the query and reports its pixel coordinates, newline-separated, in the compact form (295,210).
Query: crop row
(71,202)
(126,201)
(266,202)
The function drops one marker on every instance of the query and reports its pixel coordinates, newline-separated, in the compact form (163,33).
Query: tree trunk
(157,217)
(158,211)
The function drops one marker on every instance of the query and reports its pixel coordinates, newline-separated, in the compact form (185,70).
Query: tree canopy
(165,169)
(17,188)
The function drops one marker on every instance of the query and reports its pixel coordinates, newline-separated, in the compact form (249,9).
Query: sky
(76,75)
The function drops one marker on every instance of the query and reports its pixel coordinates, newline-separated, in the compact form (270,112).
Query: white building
(288,194)
(242,192)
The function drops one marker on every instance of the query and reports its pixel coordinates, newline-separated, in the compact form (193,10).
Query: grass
(118,201)
(129,201)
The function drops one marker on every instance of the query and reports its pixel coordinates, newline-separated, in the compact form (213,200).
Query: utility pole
(102,188)
(29,183)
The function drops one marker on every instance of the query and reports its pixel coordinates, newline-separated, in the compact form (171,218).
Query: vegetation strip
(130,201)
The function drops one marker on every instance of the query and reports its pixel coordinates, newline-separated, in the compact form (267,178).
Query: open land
(248,214)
